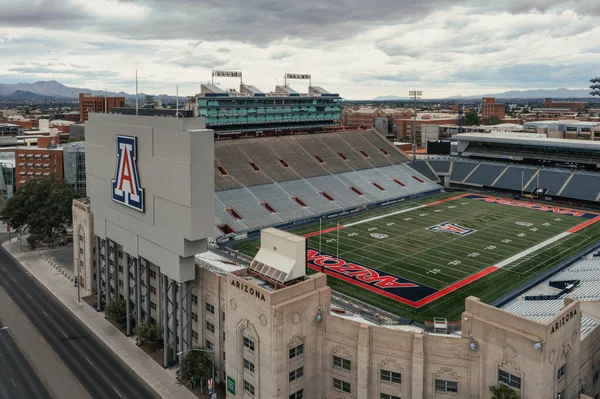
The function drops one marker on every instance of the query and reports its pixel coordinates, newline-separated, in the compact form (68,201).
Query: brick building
(548,103)
(34,162)
(489,108)
(89,103)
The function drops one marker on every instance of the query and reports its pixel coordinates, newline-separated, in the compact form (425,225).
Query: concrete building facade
(272,327)
(489,108)
(35,162)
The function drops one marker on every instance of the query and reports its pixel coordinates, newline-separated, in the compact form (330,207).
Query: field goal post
(538,192)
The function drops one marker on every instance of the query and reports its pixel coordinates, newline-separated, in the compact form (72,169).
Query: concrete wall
(178,216)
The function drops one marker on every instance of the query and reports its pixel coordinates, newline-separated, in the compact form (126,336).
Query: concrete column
(417,366)
(116,270)
(180,317)
(363,364)
(138,292)
(127,296)
(189,318)
(165,320)
(98,272)
(174,318)
(148,309)
(107,270)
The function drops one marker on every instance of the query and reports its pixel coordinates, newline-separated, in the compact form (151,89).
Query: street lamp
(415,94)
(212,352)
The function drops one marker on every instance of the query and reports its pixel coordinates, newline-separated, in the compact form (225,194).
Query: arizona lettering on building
(249,289)
(563,320)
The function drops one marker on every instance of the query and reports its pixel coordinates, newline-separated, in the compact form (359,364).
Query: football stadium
(422,259)
(318,251)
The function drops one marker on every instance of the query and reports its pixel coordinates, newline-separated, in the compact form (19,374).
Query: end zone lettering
(249,289)
(538,207)
(356,272)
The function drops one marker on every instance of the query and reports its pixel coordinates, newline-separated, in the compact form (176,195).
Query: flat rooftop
(544,142)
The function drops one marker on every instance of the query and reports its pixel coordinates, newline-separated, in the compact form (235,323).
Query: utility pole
(415,94)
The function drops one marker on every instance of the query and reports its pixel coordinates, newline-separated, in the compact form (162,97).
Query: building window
(561,395)
(388,396)
(341,385)
(210,345)
(297,395)
(342,363)
(194,316)
(223,315)
(120,269)
(446,386)
(390,376)
(194,335)
(248,365)
(210,327)
(248,387)
(223,335)
(561,372)
(152,290)
(509,379)
(210,308)
(152,274)
(152,306)
(297,351)
(296,374)
(195,299)
(248,343)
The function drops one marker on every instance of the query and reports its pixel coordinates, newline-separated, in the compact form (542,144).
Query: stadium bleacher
(423,168)
(553,180)
(460,170)
(485,174)
(271,181)
(440,166)
(585,186)
(515,178)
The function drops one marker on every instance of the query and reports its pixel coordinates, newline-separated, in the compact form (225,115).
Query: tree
(148,333)
(117,312)
(43,207)
(471,118)
(492,120)
(503,392)
(196,367)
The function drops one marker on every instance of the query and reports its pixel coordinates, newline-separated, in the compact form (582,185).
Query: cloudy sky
(358,48)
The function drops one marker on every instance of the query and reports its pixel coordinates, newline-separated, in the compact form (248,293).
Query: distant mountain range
(53,89)
(534,94)
(516,94)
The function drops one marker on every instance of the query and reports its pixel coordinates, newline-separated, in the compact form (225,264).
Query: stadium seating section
(519,152)
(273,181)
(572,184)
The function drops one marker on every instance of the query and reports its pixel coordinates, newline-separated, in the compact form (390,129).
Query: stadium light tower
(415,94)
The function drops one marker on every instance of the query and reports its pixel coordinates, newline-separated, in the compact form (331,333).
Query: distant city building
(565,129)
(34,162)
(77,131)
(74,165)
(182,113)
(250,111)
(548,103)
(89,103)
(490,108)
(9,129)
(364,117)
(7,175)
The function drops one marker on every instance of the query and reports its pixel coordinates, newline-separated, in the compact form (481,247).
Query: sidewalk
(162,381)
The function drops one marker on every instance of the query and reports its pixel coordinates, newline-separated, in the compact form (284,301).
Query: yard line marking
(532,249)
(383,216)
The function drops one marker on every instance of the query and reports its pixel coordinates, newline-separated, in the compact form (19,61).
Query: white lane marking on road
(66,336)
(45,314)
(29,296)
(11,380)
(118,393)
(89,361)
(14,280)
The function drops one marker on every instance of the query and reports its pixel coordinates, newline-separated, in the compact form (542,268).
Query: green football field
(438,253)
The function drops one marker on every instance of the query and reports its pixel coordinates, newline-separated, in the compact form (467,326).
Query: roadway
(17,378)
(101,373)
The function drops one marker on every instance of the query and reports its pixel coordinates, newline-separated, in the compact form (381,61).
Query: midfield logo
(453,228)
(379,236)
(126,188)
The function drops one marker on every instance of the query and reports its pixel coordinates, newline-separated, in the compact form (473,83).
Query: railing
(369,312)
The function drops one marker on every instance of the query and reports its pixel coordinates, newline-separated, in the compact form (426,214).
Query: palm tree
(503,392)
